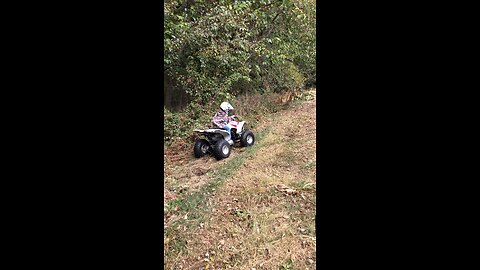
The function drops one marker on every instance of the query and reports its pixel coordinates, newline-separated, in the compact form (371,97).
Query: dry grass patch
(253,223)
(255,229)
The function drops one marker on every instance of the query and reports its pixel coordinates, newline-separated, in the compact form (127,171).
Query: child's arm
(218,120)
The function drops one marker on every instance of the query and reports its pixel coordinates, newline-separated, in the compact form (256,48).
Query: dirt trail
(254,210)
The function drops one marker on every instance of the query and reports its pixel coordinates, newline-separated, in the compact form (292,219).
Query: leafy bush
(250,108)
(227,50)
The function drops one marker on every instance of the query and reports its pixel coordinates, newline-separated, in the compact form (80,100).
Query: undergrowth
(251,108)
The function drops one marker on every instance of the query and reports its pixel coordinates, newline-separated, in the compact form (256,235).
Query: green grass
(311,165)
(287,266)
(304,185)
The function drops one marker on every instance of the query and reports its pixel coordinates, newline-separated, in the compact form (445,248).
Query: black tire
(200,148)
(221,149)
(247,138)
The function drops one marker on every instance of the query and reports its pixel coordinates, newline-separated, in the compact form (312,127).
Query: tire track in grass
(190,210)
(254,224)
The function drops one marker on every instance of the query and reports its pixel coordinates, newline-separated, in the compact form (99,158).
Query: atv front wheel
(221,149)
(247,138)
(200,148)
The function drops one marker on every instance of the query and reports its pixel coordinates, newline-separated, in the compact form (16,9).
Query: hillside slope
(254,210)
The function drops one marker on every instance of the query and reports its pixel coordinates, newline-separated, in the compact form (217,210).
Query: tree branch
(269,4)
(185,5)
(267,33)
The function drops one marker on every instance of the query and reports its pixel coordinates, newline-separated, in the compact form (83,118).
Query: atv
(218,141)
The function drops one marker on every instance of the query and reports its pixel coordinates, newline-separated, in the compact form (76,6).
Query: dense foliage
(219,50)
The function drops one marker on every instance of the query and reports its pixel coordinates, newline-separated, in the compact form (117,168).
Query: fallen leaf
(286,189)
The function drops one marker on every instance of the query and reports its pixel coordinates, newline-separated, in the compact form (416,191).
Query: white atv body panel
(223,132)
(226,135)
(240,127)
(212,130)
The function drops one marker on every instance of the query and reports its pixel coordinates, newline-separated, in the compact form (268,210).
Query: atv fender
(223,132)
(240,127)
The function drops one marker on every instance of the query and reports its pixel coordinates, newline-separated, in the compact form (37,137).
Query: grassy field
(254,210)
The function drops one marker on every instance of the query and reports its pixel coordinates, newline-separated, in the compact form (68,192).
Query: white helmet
(225,106)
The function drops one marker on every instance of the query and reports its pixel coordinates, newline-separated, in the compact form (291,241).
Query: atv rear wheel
(221,149)
(247,138)
(201,148)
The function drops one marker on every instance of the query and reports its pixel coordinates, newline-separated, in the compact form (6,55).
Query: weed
(311,165)
(304,185)
(288,265)
(242,214)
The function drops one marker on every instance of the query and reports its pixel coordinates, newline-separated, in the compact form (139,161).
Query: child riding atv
(221,118)
(226,132)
